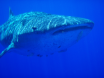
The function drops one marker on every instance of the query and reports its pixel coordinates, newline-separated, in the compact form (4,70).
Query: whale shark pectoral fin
(7,49)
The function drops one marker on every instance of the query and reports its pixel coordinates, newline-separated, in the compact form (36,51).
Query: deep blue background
(85,59)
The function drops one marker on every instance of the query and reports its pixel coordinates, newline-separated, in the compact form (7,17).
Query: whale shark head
(54,33)
(38,33)
(70,23)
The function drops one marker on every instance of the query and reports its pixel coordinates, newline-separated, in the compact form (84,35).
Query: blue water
(85,59)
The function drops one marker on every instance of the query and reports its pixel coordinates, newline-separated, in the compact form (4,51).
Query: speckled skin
(38,33)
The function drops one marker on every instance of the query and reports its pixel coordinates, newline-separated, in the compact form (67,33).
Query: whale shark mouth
(69,28)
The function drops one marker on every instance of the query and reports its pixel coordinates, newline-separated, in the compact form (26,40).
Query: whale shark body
(39,33)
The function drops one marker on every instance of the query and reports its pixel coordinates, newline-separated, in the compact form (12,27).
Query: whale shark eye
(34,28)
(24,22)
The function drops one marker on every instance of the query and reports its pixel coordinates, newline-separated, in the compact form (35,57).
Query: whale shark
(40,33)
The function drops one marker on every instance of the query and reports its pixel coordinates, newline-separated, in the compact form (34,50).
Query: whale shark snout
(73,24)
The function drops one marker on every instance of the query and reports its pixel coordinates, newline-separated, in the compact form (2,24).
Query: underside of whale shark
(38,33)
